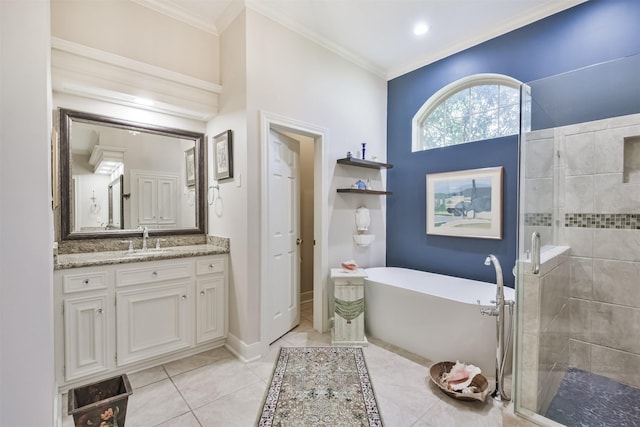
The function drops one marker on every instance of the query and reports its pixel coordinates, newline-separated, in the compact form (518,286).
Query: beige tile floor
(214,388)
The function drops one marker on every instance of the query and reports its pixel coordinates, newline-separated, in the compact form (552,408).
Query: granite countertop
(88,259)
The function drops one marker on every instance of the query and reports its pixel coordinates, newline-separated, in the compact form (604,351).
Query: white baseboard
(243,351)
(306,296)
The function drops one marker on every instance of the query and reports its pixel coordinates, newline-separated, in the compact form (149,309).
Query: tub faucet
(499,301)
(499,281)
(498,311)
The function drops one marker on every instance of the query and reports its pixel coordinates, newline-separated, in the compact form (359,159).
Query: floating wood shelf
(364,163)
(357,190)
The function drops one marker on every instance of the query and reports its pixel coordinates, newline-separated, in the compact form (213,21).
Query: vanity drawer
(85,281)
(153,273)
(210,265)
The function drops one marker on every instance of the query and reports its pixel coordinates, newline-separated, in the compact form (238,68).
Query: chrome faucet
(498,311)
(499,302)
(145,237)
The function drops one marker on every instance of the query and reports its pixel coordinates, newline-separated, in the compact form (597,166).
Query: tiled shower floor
(586,399)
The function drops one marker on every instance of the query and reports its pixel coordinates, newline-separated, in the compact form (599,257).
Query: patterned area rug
(320,386)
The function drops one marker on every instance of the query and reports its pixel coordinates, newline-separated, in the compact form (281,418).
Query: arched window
(477,107)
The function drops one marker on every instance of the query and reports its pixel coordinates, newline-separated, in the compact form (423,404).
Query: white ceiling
(378,34)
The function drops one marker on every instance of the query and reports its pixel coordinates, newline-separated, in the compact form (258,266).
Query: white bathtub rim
(458,289)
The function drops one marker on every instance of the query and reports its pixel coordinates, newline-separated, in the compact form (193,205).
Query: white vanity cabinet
(211,294)
(86,312)
(153,315)
(125,317)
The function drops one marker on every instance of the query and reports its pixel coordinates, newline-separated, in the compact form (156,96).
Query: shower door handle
(535,252)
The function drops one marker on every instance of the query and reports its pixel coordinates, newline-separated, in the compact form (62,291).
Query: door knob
(298,241)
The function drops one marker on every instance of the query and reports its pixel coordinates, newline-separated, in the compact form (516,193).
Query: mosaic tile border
(611,221)
(586,220)
(538,219)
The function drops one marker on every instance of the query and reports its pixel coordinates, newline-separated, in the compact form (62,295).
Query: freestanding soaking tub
(433,316)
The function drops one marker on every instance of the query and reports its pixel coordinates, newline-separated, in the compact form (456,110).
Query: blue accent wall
(590,33)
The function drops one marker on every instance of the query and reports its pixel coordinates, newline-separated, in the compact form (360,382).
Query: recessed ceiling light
(420,29)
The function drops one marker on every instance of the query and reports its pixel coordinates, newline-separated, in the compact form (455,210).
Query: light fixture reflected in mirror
(106,160)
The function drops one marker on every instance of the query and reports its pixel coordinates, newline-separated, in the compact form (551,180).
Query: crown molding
(261,8)
(95,74)
(230,13)
(174,11)
(533,15)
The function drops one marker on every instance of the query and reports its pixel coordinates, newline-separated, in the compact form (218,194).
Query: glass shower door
(578,302)
(542,353)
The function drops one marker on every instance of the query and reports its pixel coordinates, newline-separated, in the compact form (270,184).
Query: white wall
(86,187)
(136,32)
(26,222)
(228,214)
(290,75)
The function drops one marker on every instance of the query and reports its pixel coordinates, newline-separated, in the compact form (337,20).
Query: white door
(147,200)
(167,190)
(283,281)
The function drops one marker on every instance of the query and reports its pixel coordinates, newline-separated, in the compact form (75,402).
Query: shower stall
(577,359)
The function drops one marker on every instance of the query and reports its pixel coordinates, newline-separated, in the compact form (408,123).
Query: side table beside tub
(349,307)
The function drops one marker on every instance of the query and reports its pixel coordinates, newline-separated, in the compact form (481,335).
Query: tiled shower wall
(601,224)
(544,322)
(588,175)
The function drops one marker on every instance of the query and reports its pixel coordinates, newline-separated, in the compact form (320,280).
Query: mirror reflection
(116,204)
(124,176)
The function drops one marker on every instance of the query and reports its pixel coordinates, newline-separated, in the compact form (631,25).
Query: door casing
(281,123)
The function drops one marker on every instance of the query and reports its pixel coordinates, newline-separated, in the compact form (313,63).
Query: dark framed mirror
(119,176)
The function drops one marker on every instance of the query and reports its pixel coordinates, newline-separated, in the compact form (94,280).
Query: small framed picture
(223,155)
(190,167)
(465,203)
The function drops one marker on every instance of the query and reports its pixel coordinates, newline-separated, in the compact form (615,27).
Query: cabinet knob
(184,297)
(202,293)
(154,274)
(99,311)
(85,281)
(210,266)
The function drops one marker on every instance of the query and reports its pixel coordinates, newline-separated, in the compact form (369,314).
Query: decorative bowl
(479,382)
